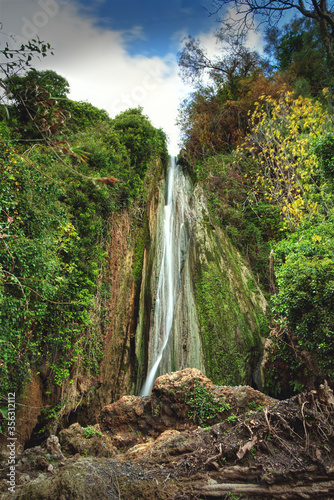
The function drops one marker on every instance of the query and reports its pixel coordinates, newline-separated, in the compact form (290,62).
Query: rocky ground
(189,440)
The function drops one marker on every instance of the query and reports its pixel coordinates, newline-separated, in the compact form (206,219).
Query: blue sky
(160,22)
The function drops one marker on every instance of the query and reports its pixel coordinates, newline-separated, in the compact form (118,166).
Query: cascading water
(175,237)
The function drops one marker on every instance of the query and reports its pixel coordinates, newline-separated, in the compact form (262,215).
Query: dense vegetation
(65,168)
(259,135)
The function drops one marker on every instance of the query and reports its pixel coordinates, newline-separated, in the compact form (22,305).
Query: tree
(244,15)
(139,137)
(234,63)
(286,171)
(37,97)
(215,117)
(304,267)
(299,51)
(17,61)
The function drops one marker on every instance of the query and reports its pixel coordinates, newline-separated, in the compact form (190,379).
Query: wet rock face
(218,307)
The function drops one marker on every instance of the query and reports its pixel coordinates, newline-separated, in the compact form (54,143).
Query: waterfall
(174,234)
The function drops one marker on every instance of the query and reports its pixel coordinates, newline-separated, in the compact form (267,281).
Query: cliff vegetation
(258,135)
(67,170)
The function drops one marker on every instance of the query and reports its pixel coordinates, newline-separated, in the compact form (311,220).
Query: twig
(265,411)
(307,437)
(20,284)
(215,457)
(41,296)
(166,481)
(115,484)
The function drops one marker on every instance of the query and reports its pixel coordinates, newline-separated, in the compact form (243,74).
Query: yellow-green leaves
(280,144)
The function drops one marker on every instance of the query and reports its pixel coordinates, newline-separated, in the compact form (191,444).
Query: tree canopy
(241,16)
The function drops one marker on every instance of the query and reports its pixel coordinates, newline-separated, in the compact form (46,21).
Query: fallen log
(237,473)
(283,492)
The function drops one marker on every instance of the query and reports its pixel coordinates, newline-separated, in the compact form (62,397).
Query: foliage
(285,166)
(84,115)
(37,96)
(236,62)
(305,276)
(19,59)
(216,120)
(54,228)
(298,50)
(244,16)
(289,368)
(90,432)
(140,138)
(251,232)
(203,405)
(324,151)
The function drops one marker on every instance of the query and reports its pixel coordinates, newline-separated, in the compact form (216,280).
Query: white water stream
(175,236)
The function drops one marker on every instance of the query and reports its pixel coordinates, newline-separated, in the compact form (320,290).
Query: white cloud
(96,63)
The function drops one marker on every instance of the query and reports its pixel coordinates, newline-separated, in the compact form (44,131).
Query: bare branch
(241,16)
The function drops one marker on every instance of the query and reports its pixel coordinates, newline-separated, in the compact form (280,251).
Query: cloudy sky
(115,54)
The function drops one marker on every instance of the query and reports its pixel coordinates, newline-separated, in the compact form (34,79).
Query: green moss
(141,242)
(229,342)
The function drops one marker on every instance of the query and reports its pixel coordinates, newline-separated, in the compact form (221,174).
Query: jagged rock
(73,441)
(53,447)
(181,383)
(246,398)
(133,420)
(84,479)
(326,394)
(36,457)
(168,446)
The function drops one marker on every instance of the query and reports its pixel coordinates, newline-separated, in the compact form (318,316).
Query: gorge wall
(218,308)
(216,325)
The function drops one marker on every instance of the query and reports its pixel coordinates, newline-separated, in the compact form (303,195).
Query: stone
(73,441)
(53,447)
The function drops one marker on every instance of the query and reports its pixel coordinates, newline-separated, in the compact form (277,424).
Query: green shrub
(203,405)
(305,276)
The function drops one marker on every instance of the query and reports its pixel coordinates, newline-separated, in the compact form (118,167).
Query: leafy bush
(305,276)
(90,432)
(284,166)
(203,405)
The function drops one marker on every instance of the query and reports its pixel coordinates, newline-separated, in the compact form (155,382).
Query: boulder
(74,440)
(133,420)
(179,401)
